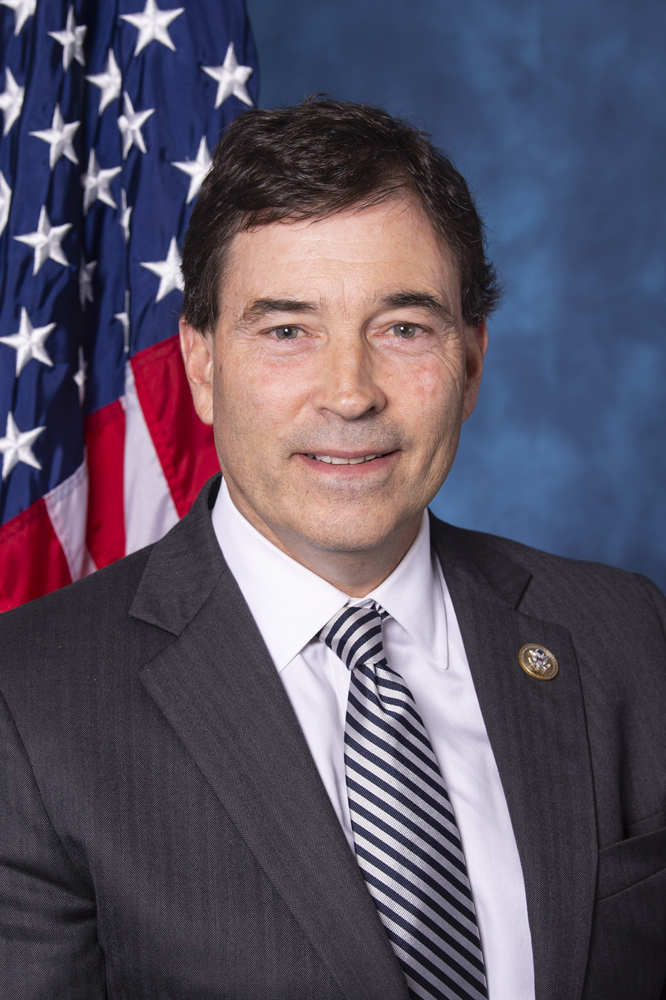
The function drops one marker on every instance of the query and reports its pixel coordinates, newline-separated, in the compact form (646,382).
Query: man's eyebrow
(397,300)
(263,307)
(418,300)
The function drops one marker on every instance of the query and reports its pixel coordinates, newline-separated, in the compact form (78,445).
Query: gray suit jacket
(164,832)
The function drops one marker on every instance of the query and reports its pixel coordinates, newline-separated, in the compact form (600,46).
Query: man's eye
(286,332)
(405,330)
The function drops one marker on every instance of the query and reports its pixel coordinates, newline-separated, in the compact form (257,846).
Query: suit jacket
(164,832)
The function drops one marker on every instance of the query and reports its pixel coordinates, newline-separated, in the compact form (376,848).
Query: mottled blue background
(556,114)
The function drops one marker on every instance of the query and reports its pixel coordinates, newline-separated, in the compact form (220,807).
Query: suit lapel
(221,693)
(538,734)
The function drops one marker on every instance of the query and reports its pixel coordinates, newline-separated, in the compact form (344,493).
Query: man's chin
(344,491)
(358,528)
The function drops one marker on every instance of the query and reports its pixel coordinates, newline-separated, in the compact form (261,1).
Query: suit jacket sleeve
(47,911)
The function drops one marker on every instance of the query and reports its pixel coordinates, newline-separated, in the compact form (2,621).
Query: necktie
(407,842)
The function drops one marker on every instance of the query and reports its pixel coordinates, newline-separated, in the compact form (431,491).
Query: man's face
(338,375)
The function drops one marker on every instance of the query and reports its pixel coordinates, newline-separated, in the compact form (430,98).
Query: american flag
(110,109)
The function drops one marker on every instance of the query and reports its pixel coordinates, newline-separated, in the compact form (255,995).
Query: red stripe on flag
(33,562)
(185,446)
(105,442)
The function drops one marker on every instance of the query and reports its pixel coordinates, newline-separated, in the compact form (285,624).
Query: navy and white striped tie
(407,842)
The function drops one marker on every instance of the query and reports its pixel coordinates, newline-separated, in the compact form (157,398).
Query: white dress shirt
(422,642)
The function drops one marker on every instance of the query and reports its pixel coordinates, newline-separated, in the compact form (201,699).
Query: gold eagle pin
(537,661)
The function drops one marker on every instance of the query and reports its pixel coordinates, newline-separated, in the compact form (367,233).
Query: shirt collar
(291,604)
(412,594)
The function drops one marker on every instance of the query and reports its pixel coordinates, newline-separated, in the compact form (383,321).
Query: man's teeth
(333,460)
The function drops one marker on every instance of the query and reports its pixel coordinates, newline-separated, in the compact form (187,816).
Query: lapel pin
(537,661)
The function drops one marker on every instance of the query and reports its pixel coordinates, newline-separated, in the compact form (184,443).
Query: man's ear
(476,344)
(197,351)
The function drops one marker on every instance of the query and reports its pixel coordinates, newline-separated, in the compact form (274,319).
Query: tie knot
(355,635)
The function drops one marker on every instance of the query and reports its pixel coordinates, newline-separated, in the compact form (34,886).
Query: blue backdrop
(556,114)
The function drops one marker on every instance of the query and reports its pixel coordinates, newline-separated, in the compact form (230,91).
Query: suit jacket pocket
(630,861)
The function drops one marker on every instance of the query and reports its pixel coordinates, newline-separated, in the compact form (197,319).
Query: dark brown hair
(311,161)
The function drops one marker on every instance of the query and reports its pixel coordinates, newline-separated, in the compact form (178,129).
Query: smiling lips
(336,460)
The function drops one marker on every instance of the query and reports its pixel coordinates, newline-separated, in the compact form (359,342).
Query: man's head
(336,289)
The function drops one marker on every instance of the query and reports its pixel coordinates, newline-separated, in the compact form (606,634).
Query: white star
(196,169)
(17,447)
(11,100)
(29,342)
(46,241)
(168,271)
(59,138)
(96,183)
(5,201)
(130,126)
(71,38)
(86,272)
(23,9)
(231,78)
(153,25)
(125,215)
(109,82)
(124,319)
(80,376)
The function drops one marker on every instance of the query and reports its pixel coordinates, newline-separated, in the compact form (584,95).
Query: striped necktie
(405,834)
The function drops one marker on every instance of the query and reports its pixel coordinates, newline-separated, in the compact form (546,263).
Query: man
(316,743)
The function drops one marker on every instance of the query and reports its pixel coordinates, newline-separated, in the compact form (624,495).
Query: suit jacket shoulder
(553,575)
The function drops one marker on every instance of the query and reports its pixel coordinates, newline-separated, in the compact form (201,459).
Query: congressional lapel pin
(537,661)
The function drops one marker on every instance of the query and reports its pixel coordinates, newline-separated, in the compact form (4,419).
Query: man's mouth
(336,460)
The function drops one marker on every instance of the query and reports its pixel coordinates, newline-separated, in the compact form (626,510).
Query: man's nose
(347,384)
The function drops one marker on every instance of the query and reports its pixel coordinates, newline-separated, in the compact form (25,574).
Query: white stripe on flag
(149,508)
(67,506)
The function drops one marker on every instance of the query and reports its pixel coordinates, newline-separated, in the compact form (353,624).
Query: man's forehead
(383,230)
(386,252)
